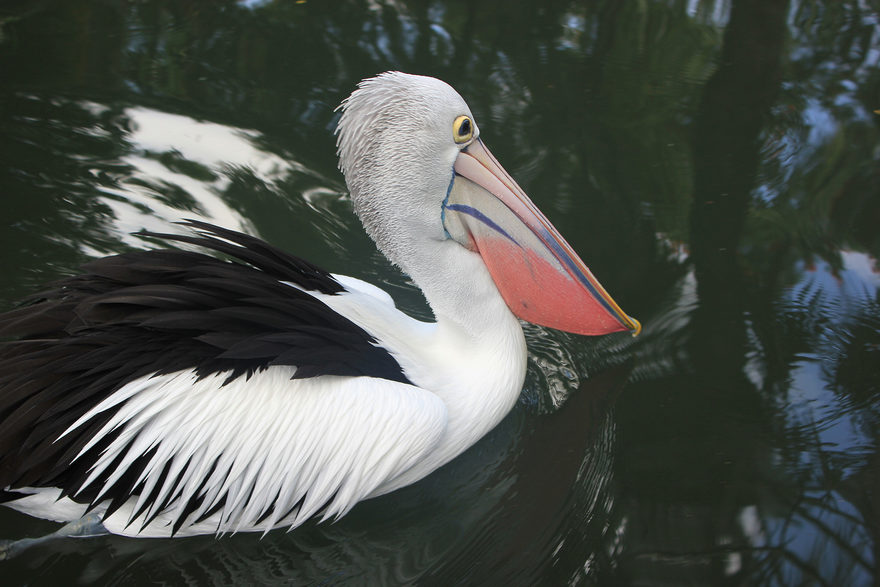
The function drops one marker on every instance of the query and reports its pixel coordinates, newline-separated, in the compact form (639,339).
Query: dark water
(716,163)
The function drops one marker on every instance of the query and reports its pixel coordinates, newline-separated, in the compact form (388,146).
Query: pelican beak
(539,275)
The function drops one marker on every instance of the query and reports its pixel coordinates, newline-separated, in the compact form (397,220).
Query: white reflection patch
(138,200)
(213,145)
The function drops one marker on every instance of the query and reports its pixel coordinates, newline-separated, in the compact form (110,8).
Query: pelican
(174,392)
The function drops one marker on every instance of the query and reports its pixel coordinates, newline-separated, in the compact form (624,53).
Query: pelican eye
(462,129)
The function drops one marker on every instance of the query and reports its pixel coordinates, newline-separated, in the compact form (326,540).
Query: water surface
(716,163)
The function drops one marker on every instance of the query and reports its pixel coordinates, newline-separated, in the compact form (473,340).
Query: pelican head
(419,173)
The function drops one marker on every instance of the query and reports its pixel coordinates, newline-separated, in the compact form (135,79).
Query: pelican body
(173,392)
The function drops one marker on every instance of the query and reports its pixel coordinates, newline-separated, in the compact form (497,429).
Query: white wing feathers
(263,451)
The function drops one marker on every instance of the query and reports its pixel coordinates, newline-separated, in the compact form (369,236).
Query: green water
(716,163)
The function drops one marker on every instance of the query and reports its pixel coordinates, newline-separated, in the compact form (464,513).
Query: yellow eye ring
(462,129)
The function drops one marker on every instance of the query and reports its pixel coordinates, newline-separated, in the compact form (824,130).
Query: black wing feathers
(157,312)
